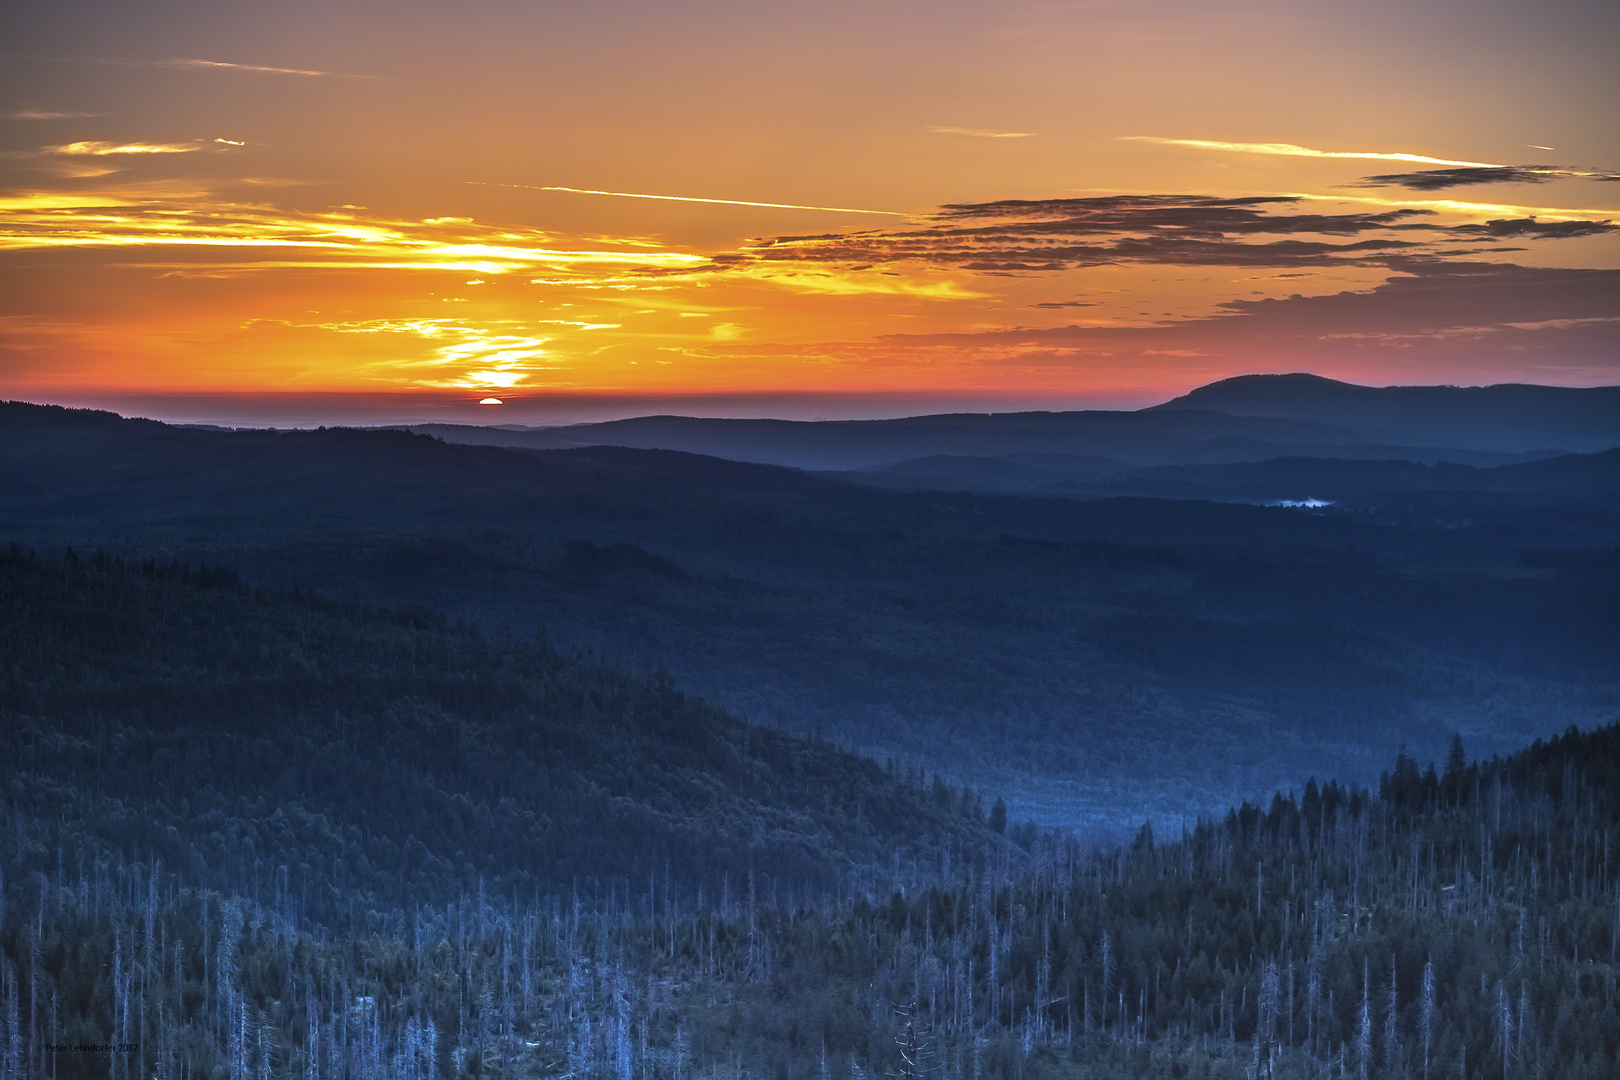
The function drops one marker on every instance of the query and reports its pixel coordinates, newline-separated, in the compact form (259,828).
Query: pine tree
(1108,971)
(1452,783)
(1265,1031)
(998,815)
(1364,1026)
(312,1037)
(1426,1012)
(1504,1023)
(11,1061)
(1392,1022)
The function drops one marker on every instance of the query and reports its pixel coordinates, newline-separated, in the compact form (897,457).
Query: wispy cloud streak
(43,114)
(139,222)
(690,199)
(188,64)
(1294,150)
(184,64)
(106,149)
(982,133)
(1470,209)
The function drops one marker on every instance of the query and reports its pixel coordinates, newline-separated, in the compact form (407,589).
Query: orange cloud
(105,149)
(343,240)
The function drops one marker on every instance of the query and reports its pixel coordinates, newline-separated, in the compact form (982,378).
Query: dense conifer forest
(259,741)
(528,865)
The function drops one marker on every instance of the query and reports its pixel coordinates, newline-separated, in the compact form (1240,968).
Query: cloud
(1485,319)
(981,133)
(277,182)
(92,158)
(829,281)
(1440,179)
(26,210)
(480,355)
(1504,228)
(1026,236)
(1431,295)
(1015,237)
(105,149)
(151,223)
(1186,214)
(1473,209)
(41,114)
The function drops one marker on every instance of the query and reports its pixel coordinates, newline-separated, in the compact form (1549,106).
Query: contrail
(1293,150)
(216,64)
(685,198)
(982,133)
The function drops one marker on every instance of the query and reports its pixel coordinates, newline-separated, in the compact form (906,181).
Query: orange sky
(879,207)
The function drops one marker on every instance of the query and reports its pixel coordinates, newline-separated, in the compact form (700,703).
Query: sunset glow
(946,208)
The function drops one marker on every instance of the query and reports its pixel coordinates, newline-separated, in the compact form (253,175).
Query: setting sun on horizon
(828,210)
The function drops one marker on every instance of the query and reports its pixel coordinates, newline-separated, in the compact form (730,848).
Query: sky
(311,211)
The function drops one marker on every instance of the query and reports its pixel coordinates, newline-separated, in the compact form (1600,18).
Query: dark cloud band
(1441,179)
(1016,236)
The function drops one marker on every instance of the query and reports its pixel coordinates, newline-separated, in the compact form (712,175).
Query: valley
(350,752)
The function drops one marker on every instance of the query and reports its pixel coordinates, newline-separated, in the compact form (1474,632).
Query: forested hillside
(1461,922)
(338,758)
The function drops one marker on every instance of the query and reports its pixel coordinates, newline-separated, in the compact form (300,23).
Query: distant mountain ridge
(1506,416)
(1248,418)
(1137,438)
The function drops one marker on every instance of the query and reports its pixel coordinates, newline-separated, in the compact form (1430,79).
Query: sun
(492,401)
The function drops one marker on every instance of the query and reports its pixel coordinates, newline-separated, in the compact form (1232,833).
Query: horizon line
(282,409)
